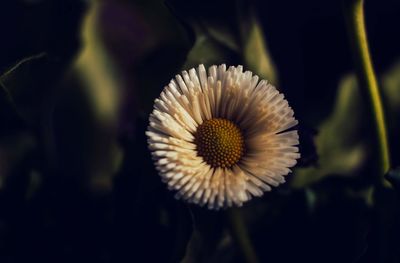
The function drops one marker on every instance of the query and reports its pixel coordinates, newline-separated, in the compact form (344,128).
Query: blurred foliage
(208,237)
(77,183)
(29,98)
(391,89)
(339,141)
(101,85)
(237,39)
(256,55)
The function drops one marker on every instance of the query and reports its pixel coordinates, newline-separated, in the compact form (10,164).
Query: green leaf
(215,41)
(223,36)
(391,87)
(339,141)
(255,52)
(391,96)
(87,142)
(206,51)
(238,39)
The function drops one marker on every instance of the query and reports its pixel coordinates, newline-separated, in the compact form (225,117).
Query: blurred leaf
(118,35)
(144,54)
(93,94)
(98,70)
(193,16)
(391,96)
(241,34)
(391,87)
(255,53)
(223,36)
(206,51)
(339,145)
(208,227)
(238,39)
(215,41)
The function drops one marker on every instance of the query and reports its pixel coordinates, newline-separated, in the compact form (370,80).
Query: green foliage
(339,141)
(255,52)
(27,92)
(236,40)
(77,182)
(205,51)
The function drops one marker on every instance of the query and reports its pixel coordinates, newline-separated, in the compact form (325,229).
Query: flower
(221,138)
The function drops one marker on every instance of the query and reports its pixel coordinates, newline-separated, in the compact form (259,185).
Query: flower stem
(241,235)
(354,15)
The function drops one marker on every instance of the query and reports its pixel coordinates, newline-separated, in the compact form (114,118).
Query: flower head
(221,138)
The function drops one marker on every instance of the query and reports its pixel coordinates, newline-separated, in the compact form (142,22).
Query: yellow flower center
(220,142)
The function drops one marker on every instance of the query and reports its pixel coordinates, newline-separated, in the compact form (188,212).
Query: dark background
(77,186)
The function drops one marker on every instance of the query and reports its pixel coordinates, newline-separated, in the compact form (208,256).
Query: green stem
(240,234)
(354,14)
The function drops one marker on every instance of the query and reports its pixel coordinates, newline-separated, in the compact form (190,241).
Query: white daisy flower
(221,138)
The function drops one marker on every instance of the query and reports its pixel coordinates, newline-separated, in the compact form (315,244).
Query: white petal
(257,107)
